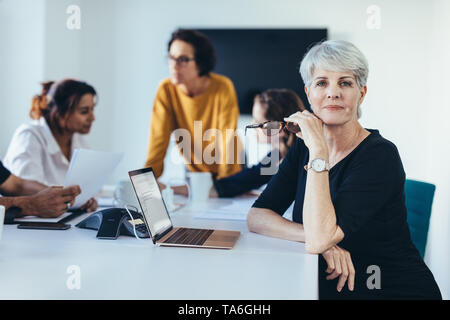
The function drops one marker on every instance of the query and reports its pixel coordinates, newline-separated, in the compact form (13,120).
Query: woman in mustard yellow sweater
(195,100)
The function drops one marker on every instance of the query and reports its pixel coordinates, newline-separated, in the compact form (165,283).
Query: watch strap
(309,165)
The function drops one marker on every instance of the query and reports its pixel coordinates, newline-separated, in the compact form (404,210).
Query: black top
(11,213)
(367,191)
(4,173)
(245,180)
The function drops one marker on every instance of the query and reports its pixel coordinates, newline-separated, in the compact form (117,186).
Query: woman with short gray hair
(348,186)
(339,56)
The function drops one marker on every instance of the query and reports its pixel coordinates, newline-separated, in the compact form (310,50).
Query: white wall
(436,113)
(86,53)
(22,39)
(121,50)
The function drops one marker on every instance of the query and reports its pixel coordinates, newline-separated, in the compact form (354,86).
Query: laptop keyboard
(189,236)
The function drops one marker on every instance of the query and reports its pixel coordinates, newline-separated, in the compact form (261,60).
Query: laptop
(159,224)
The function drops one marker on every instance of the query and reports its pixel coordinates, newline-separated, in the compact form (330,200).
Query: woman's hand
(340,265)
(181,190)
(90,206)
(161,185)
(311,131)
(250,194)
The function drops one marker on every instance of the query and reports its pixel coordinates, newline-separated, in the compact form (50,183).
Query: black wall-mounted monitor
(260,59)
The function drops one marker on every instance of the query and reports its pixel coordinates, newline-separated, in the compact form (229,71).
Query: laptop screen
(150,199)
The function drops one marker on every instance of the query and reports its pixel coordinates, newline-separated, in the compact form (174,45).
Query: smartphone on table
(44,225)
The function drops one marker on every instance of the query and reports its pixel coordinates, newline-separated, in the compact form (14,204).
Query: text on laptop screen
(151,202)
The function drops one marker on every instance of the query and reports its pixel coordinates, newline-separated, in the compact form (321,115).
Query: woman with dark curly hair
(194,100)
(41,151)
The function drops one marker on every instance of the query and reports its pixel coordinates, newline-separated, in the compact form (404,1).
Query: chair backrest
(419,200)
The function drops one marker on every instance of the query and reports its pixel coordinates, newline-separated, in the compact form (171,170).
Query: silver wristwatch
(318,165)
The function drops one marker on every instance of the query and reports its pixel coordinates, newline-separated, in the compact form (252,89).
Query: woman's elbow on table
(323,242)
(251,221)
(314,248)
(256,220)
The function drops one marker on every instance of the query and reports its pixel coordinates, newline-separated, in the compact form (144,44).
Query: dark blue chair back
(419,200)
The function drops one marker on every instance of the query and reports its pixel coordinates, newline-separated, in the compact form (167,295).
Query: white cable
(131,216)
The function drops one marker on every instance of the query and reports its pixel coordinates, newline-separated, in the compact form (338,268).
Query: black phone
(43,225)
(113,222)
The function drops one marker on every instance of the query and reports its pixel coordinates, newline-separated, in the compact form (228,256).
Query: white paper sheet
(236,210)
(222,215)
(90,169)
(36,219)
(105,202)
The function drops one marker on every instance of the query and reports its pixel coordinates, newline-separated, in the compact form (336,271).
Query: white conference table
(36,264)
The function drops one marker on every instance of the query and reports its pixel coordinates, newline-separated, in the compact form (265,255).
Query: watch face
(318,165)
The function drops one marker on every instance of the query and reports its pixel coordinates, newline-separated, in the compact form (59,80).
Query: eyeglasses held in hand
(271,128)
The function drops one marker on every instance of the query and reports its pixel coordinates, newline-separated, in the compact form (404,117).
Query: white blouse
(34,154)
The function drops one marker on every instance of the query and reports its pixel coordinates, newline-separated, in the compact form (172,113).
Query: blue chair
(419,199)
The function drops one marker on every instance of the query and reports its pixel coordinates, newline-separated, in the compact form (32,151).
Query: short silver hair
(337,56)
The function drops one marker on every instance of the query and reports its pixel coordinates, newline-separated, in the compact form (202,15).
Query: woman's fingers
(330,261)
(333,276)
(161,185)
(337,261)
(351,272)
(182,190)
(344,275)
(340,265)
(293,119)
